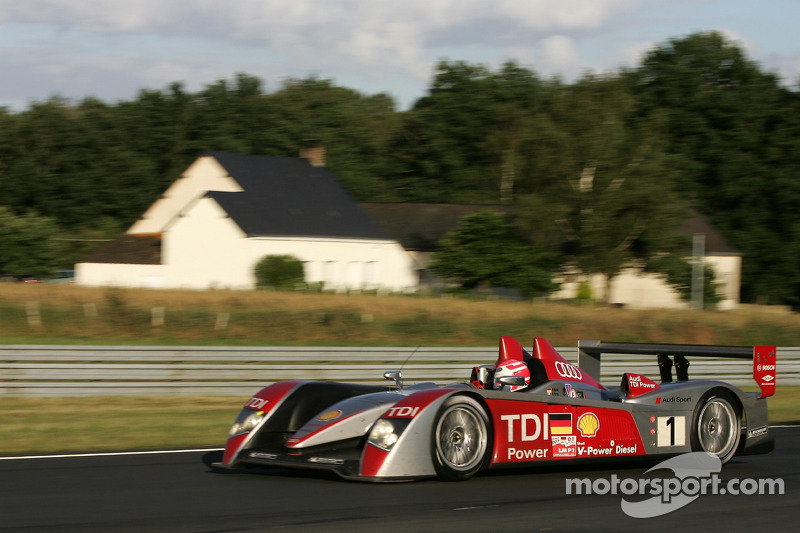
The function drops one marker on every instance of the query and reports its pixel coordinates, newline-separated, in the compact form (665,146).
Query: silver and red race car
(527,408)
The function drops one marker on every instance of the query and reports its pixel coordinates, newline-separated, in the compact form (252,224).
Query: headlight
(246,422)
(385,433)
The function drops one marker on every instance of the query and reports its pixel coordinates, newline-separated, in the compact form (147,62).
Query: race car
(527,408)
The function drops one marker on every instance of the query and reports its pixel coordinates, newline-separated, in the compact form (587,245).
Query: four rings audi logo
(566,370)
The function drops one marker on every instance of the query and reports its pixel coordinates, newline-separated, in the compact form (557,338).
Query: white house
(227,211)
(637,289)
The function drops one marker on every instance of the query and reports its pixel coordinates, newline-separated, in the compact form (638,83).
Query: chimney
(314,151)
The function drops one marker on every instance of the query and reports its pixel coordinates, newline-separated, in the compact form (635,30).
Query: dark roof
(287,196)
(139,249)
(715,242)
(420,227)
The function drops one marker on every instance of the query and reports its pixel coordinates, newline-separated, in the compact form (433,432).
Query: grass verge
(58,314)
(48,425)
(45,425)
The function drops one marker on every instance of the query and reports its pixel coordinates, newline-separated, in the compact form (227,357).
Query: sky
(112,50)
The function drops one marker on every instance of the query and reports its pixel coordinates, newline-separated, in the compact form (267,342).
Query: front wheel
(460,439)
(717,425)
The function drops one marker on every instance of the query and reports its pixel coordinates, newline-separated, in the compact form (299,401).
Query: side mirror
(394,375)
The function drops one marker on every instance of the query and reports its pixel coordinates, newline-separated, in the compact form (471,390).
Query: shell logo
(330,415)
(588,424)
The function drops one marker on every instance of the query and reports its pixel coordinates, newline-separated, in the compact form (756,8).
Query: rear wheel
(460,439)
(717,425)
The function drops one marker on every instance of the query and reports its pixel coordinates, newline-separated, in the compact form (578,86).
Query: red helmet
(512,368)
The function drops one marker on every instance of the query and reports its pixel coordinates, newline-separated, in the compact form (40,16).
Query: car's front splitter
(345,464)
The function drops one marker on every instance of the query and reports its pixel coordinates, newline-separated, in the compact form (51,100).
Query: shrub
(279,272)
(584,292)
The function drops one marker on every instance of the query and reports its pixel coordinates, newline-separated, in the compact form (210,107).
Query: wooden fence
(39,370)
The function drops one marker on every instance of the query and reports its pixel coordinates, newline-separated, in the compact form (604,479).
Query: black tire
(717,424)
(461,439)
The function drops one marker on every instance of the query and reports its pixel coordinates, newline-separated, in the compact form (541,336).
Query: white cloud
(734,38)
(194,76)
(376,37)
(631,56)
(546,15)
(385,45)
(787,67)
(316,21)
(559,55)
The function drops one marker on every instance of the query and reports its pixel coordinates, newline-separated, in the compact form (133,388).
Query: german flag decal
(560,423)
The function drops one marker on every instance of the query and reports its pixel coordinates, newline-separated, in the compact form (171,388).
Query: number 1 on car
(671,431)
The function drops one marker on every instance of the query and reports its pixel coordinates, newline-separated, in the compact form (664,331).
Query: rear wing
(764,358)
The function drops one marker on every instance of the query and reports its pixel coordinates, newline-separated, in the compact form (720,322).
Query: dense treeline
(598,170)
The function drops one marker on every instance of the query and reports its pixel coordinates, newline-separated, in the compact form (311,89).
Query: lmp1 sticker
(671,431)
(565,446)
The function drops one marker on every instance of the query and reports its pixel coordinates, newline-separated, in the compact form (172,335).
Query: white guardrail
(41,370)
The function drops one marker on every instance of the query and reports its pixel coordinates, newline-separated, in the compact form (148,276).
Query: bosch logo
(569,371)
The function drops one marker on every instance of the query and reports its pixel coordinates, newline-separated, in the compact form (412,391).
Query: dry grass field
(55,313)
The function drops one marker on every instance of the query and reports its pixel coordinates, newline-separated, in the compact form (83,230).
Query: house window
(371,275)
(353,276)
(330,273)
(310,271)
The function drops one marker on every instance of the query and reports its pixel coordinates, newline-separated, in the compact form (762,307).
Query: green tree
(517,111)
(732,129)
(72,164)
(607,200)
(441,149)
(27,245)
(488,251)
(469,139)
(353,127)
(677,272)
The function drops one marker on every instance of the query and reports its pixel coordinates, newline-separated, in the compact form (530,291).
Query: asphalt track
(178,492)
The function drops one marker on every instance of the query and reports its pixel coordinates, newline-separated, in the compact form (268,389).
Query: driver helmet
(512,368)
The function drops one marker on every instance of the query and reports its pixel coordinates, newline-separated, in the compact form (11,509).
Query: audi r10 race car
(528,408)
